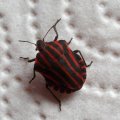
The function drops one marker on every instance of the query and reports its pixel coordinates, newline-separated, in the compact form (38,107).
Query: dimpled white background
(95,27)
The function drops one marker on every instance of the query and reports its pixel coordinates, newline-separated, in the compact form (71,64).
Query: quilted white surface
(95,27)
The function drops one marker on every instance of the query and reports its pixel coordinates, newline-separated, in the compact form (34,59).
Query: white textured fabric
(95,27)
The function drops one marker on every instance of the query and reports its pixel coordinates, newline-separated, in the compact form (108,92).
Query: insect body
(63,69)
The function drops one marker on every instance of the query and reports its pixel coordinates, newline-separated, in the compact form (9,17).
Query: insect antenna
(51,28)
(27,42)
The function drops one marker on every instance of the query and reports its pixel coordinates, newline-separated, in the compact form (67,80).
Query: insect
(63,69)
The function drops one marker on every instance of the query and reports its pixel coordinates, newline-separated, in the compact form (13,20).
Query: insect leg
(34,75)
(70,41)
(78,51)
(54,96)
(56,37)
(51,28)
(28,60)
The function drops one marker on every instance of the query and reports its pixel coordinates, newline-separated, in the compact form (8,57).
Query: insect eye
(39,42)
(40,45)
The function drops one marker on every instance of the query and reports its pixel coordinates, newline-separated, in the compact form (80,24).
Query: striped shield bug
(62,68)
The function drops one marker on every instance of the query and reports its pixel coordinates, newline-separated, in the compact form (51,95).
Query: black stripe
(58,70)
(40,68)
(48,70)
(57,47)
(83,70)
(67,54)
(71,72)
(63,43)
(63,63)
(84,76)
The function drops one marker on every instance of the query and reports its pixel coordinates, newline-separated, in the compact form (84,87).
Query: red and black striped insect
(63,69)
